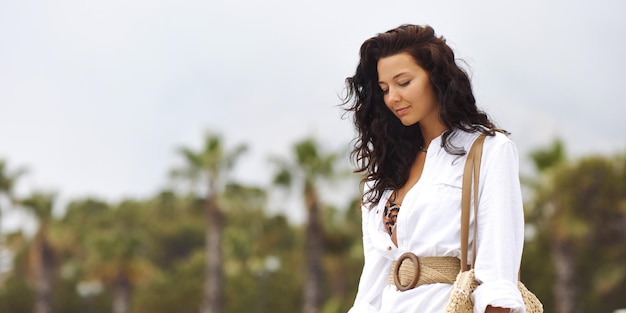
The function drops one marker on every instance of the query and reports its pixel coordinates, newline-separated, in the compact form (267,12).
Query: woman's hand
(492,309)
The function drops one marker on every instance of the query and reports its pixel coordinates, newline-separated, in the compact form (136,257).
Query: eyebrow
(394,77)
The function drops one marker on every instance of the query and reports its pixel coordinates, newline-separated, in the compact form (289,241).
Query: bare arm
(492,309)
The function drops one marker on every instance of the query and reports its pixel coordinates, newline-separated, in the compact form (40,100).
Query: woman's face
(407,91)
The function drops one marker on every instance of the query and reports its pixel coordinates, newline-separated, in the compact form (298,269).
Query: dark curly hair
(384,149)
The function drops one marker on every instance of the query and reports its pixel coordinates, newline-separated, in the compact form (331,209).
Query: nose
(393,95)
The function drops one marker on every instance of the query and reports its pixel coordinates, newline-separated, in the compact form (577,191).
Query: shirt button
(376,211)
(388,247)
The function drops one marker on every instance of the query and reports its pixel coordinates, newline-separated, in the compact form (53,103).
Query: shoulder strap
(472,168)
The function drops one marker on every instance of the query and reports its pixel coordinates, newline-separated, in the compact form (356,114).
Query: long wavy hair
(384,149)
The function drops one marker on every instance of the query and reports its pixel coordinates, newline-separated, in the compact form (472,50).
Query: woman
(416,119)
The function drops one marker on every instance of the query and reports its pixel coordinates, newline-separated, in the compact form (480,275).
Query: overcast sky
(95,96)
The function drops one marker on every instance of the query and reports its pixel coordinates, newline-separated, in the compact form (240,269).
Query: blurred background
(191,156)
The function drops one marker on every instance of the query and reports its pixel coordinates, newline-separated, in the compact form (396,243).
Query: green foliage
(17,295)
(550,156)
(343,259)
(581,204)
(308,166)
(207,165)
(40,204)
(177,289)
(310,159)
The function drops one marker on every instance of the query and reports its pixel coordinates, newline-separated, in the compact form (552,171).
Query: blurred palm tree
(17,296)
(116,251)
(549,157)
(305,170)
(343,255)
(580,208)
(209,167)
(83,220)
(548,160)
(41,253)
(8,180)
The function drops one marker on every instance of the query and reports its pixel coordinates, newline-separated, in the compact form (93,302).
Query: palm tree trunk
(565,292)
(43,274)
(314,249)
(122,291)
(213,276)
(339,285)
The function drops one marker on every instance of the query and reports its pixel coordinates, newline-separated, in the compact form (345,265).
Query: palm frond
(40,204)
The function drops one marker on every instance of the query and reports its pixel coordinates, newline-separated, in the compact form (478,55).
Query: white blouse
(428,224)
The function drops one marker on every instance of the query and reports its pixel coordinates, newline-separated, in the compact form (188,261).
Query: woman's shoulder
(497,149)
(466,139)
(500,138)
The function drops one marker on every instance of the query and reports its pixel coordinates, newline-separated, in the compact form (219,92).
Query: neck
(430,133)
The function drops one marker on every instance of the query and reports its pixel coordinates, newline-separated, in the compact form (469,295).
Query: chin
(408,123)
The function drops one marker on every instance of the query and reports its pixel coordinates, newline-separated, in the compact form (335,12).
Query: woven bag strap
(472,168)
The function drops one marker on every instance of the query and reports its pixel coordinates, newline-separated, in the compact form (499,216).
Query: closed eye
(405,83)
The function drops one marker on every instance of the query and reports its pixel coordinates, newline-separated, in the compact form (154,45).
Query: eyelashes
(403,84)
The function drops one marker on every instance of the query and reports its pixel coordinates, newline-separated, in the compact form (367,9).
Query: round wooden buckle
(416,275)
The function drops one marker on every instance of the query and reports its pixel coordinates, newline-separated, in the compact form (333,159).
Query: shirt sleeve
(500,235)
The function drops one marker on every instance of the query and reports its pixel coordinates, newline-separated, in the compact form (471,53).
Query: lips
(402,111)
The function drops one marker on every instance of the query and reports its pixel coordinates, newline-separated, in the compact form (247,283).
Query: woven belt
(410,271)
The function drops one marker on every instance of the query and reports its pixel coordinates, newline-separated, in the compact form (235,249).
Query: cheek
(426,93)
(431,97)
(430,91)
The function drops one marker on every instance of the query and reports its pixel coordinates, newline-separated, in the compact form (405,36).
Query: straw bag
(461,297)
